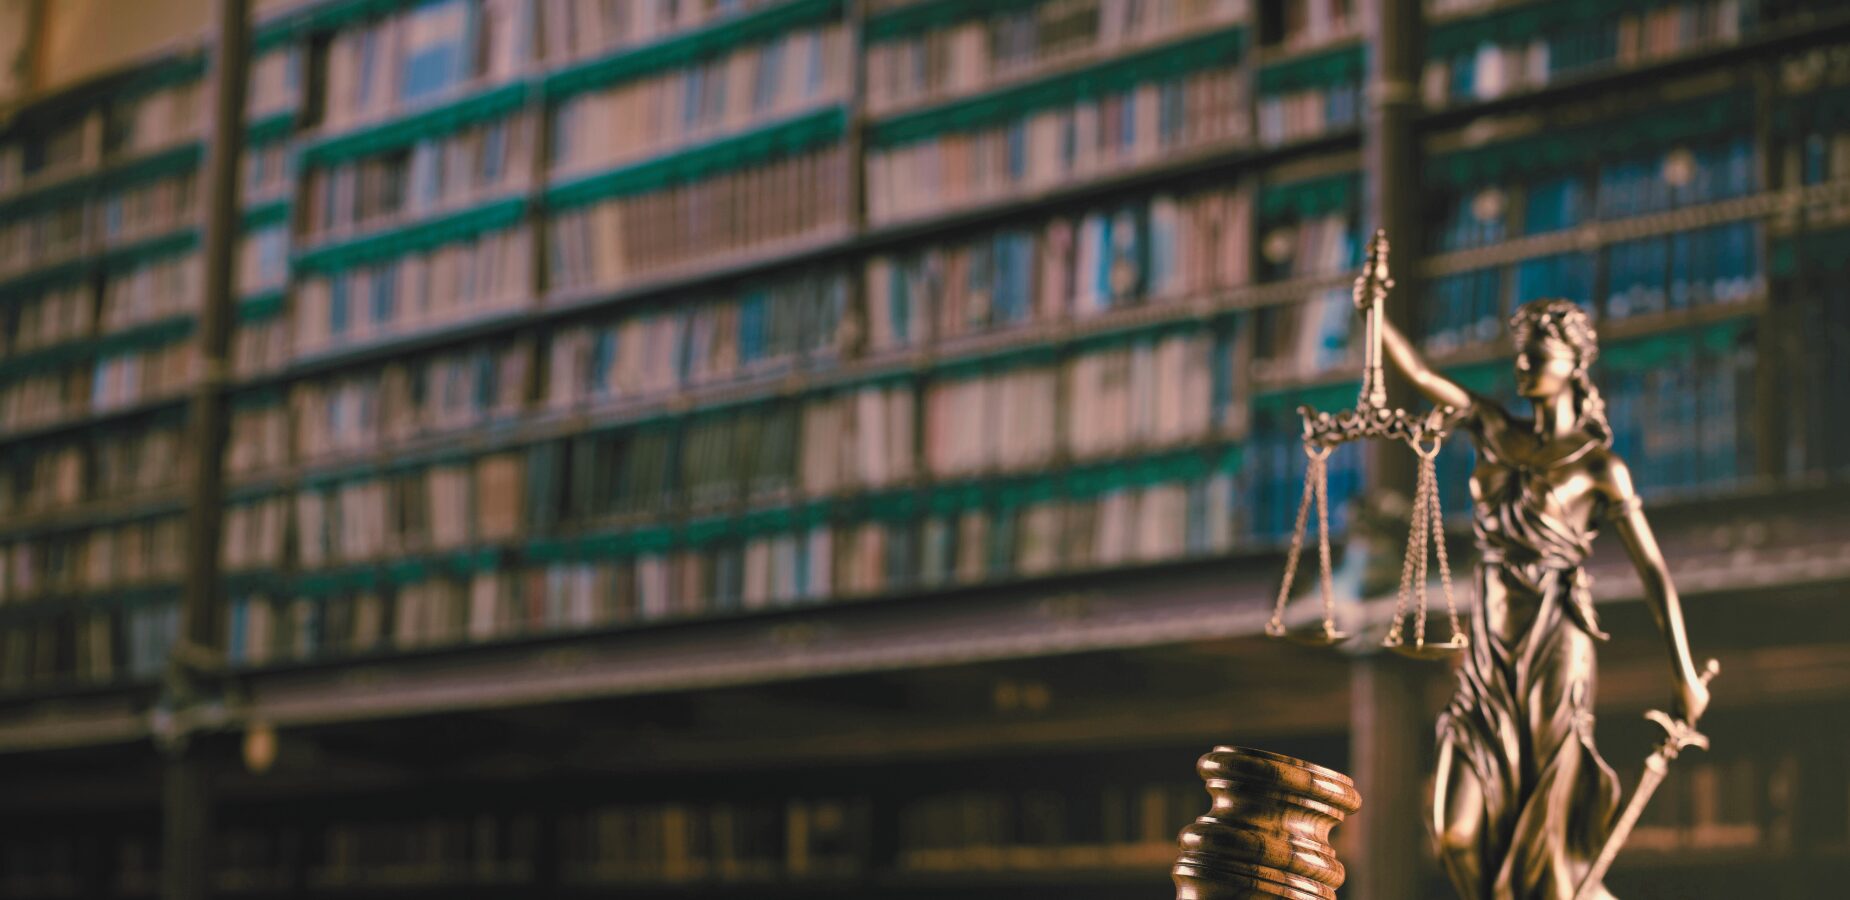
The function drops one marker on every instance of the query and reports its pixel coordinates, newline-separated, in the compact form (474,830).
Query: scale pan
(1321,636)
(1432,650)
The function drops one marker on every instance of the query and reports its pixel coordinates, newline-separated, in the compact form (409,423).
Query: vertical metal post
(1390,726)
(187,802)
(199,625)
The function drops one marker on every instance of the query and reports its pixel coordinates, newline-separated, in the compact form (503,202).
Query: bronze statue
(1523,804)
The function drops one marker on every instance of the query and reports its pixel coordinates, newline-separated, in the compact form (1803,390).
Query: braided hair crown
(1565,321)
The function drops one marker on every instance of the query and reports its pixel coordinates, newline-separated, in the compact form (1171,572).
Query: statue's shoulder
(1611,477)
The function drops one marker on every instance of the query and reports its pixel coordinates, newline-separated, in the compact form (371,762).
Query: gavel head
(1268,831)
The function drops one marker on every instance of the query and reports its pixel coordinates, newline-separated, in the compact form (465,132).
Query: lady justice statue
(1523,804)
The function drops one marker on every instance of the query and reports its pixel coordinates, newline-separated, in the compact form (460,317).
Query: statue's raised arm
(1371,289)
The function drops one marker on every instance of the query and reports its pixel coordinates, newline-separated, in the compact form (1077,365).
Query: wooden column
(186,797)
(1390,726)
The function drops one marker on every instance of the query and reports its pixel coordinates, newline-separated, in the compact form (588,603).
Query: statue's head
(1555,347)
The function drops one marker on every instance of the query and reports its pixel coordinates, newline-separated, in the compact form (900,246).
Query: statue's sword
(1678,736)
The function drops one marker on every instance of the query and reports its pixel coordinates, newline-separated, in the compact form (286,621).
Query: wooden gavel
(1268,832)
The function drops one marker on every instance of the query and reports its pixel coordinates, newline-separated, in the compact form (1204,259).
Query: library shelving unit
(812,447)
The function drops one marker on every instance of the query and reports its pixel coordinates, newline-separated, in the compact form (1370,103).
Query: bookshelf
(590,350)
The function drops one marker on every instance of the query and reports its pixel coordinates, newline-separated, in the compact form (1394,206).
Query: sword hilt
(1680,735)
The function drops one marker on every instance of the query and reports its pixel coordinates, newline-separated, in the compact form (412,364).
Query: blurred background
(806,448)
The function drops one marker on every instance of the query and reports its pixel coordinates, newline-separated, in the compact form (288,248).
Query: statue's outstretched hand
(1693,694)
(1372,285)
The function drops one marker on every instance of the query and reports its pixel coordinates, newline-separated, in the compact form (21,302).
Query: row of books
(1271,477)
(153,291)
(59,315)
(576,29)
(1150,393)
(1467,308)
(1647,276)
(1049,147)
(1617,39)
(441,172)
(1469,219)
(1815,147)
(128,462)
(713,96)
(1719,803)
(260,345)
(262,264)
(682,843)
(796,564)
(1318,245)
(43,396)
(48,479)
(433,850)
(258,438)
(1047,830)
(1305,24)
(609,242)
(1817,157)
(445,506)
(253,534)
(415,56)
(1720,264)
(147,209)
(137,376)
(64,147)
(106,557)
(969,56)
(269,172)
(1147,392)
(864,438)
(771,325)
(1725,803)
(95,647)
(1686,176)
(1305,113)
(655,843)
(1572,275)
(1305,340)
(754,452)
(1682,409)
(139,459)
(1165,247)
(387,405)
(114,381)
(35,239)
(420,290)
(156,120)
(1004,422)
(274,84)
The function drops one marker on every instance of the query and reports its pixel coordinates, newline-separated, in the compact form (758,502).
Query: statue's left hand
(1693,694)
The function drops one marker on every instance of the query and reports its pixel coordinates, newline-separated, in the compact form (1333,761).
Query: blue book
(1489,304)
(1016,136)
(753,339)
(1681,262)
(234,649)
(813,54)
(437,39)
(1171,116)
(337,305)
(770,67)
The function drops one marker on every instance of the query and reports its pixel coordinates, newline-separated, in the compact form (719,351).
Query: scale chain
(1277,625)
(1323,547)
(1429,490)
(1438,540)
